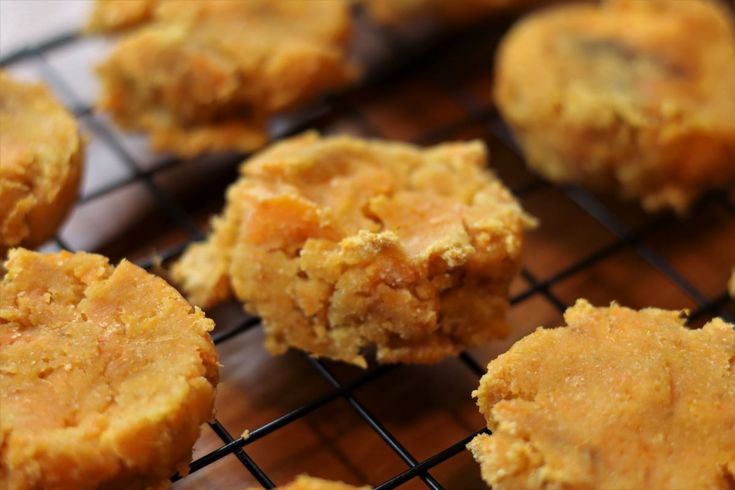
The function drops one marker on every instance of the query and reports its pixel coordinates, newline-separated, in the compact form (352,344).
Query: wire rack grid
(440,61)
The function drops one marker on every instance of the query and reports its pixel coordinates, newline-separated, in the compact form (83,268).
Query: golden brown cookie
(341,244)
(41,158)
(634,97)
(107,374)
(617,399)
(206,76)
(117,15)
(305,482)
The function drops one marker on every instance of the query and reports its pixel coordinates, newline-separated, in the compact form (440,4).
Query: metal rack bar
(174,212)
(284,420)
(246,460)
(376,425)
(430,462)
(49,44)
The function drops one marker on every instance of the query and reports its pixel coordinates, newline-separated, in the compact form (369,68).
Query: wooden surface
(427,408)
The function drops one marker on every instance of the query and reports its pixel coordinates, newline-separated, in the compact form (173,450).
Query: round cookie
(342,244)
(634,97)
(206,76)
(107,374)
(616,399)
(40,163)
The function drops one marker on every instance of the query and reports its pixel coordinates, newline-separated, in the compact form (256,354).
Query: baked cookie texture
(118,15)
(206,76)
(107,374)
(340,243)
(41,156)
(617,399)
(305,482)
(631,96)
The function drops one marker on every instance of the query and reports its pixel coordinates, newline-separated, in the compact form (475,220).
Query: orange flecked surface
(106,374)
(632,97)
(617,399)
(204,76)
(40,163)
(341,243)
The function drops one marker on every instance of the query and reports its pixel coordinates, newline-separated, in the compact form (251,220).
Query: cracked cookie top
(106,374)
(341,243)
(616,399)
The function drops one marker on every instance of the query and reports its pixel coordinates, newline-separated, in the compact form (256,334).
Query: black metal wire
(376,425)
(341,105)
(430,462)
(47,45)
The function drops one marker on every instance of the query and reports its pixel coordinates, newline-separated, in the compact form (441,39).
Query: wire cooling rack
(425,88)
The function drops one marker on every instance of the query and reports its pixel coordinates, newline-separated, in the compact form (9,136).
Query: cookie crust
(107,374)
(208,77)
(41,156)
(341,243)
(616,399)
(629,97)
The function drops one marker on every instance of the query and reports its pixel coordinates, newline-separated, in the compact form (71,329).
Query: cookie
(631,97)
(41,158)
(341,244)
(209,76)
(107,374)
(617,399)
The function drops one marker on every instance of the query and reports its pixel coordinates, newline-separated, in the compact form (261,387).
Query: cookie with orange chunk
(107,374)
(618,398)
(206,76)
(341,244)
(631,97)
(41,156)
